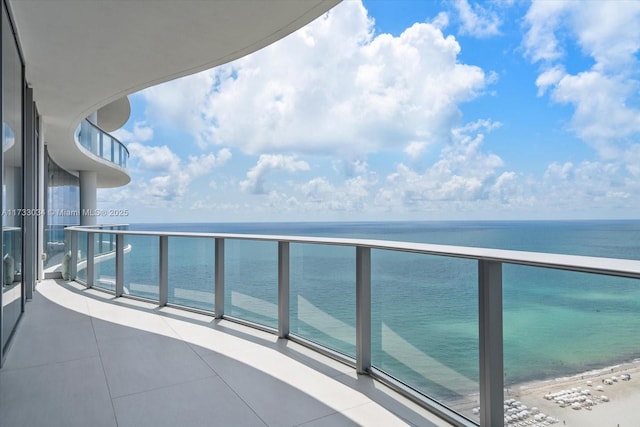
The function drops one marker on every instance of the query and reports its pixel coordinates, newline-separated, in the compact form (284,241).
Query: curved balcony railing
(102,144)
(425,319)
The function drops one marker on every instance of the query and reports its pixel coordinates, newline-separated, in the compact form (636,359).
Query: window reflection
(12,185)
(63,210)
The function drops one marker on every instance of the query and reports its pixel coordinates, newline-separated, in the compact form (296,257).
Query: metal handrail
(586,264)
(490,312)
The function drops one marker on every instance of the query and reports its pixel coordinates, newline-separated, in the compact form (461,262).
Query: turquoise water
(424,308)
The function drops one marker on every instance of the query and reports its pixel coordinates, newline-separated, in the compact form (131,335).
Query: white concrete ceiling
(81,55)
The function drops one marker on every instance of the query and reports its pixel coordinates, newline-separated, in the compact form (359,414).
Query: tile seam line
(190,345)
(42,365)
(104,372)
(135,393)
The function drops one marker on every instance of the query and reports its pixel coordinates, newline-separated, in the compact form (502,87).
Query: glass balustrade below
(251,281)
(102,144)
(323,295)
(104,269)
(82,256)
(567,336)
(191,272)
(424,324)
(141,259)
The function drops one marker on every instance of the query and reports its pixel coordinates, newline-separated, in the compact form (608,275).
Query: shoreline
(597,399)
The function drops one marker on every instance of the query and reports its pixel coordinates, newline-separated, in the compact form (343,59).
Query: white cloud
(606,95)
(353,194)
(415,149)
(333,88)
(254,183)
(586,188)
(350,168)
(179,103)
(141,133)
(152,158)
(462,174)
(160,175)
(549,78)
(476,20)
(200,165)
(543,19)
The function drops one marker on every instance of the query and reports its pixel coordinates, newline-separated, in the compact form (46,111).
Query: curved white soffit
(83,55)
(114,115)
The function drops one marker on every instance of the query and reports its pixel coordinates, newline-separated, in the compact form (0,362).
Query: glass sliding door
(12,182)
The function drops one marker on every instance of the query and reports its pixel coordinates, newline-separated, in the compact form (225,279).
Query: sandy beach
(608,397)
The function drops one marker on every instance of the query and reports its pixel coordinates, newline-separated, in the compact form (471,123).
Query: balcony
(81,358)
(272,283)
(102,144)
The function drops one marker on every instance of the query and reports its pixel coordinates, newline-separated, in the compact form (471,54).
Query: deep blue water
(424,308)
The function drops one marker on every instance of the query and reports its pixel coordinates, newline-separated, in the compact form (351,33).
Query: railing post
(491,349)
(163,265)
(283,289)
(219,278)
(119,264)
(363,309)
(90,258)
(74,255)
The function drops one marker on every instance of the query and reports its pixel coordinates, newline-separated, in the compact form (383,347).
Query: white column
(88,204)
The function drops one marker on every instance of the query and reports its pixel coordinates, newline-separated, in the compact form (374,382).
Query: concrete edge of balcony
(88,358)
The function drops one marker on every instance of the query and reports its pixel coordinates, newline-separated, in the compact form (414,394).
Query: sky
(402,110)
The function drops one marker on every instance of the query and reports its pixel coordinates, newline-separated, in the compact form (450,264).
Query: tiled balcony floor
(84,358)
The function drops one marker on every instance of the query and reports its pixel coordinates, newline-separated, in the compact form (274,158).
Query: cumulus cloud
(267,163)
(152,158)
(141,133)
(168,175)
(333,88)
(476,20)
(179,103)
(588,187)
(463,173)
(200,165)
(350,168)
(606,95)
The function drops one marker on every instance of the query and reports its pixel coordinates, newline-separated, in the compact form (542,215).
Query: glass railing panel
(124,156)
(191,272)
(86,135)
(424,324)
(81,273)
(107,147)
(141,273)
(102,144)
(322,295)
(104,267)
(54,245)
(251,281)
(569,339)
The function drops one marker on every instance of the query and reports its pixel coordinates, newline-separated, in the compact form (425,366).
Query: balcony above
(83,358)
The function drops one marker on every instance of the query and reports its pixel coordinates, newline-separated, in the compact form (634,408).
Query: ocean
(424,308)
